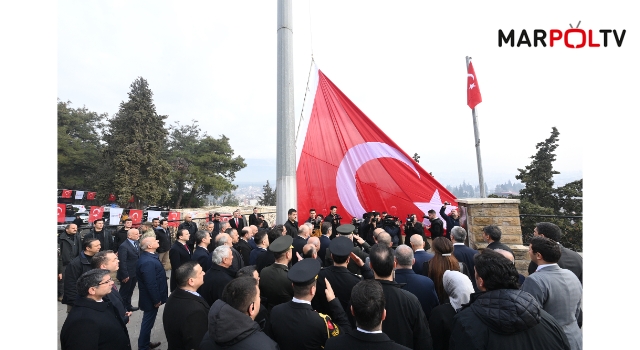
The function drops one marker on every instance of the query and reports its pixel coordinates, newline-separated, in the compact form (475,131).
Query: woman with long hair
(442,261)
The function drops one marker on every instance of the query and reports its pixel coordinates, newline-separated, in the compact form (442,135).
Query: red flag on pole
(473,89)
(136,216)
(66,193)
(62,210)
(359,169)
(95,213)
(91,196)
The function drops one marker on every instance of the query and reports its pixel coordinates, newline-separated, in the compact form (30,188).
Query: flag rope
(306,90)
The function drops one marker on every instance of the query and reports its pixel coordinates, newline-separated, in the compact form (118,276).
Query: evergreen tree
(135,149)
(268,196)
(79,147)
(538,176)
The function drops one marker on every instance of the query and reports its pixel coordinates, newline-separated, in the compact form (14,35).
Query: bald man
(419,254)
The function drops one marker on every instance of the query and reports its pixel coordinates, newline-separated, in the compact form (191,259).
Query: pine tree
(136,142)
(268,196)
(538,176)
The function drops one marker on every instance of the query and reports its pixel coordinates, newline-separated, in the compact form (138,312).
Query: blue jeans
(148,319)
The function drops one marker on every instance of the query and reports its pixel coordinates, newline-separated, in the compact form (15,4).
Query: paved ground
(157,333)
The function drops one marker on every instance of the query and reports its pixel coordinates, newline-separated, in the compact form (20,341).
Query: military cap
(341,246)
(304,271)
(346,229)
(281,244)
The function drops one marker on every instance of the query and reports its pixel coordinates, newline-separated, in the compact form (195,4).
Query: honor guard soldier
(342,280)
(346,230)
(295,325)
(274,284)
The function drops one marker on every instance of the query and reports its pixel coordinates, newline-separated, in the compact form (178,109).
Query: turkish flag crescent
(112,197)
(66,193)
(91,196)
(473,89)
(62,210)
(173,215)
(136,216)
(95,213)
(344,159)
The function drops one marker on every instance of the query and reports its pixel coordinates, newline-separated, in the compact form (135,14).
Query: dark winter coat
(152,281)
(69,246)
(505,319)
(79,265)
(233,330)
(185,320)
(94,325)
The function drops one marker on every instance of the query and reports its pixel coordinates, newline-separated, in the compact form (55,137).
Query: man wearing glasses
(92,323)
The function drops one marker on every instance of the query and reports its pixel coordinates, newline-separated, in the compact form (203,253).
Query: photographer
(412,227)
(452,220)
(436,224)
(334,219)
(316,221)
(391,225)
(370,221)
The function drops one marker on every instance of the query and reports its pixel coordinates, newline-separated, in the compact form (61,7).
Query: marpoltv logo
(579,37)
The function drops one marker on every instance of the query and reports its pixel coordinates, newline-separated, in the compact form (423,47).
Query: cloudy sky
(402,65)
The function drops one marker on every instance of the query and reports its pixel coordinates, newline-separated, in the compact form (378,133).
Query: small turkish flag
(62,210)
(174,218)
(95,213)
(91,196)
(136,216)
(473,89)
(66,193)
(112,197)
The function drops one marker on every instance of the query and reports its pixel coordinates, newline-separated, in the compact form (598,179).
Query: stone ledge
(487,201)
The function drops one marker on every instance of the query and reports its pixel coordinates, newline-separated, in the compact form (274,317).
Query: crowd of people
(244,285)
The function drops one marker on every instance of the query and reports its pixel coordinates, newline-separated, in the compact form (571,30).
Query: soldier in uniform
(274,284)
(340,277)
(288,319)
(346,230)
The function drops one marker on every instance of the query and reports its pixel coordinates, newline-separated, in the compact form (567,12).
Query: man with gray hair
(420,255)
(420,286)
(224,238)
(463,253)
(492,235)
(218,275)
(93,324)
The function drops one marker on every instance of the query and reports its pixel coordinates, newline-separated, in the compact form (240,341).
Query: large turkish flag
(345,160)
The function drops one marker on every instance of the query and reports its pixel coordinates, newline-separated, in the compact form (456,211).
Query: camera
(410,219)
(425,216)
(390,221)
(338,217)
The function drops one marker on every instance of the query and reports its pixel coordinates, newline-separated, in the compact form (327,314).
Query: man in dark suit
(237,221)
(262,243)
(79,265)
(463,253)
(128,254)
(253,218)
(333,218)
(108,260)
(191,227)
(325,239)
(292,223)
(492,234)
(287,319)
(152,289)
(164,239)
(93,323)
(421,255)
(299,241)
(420,286)
(178,255)
(185,315)
(201,253)
(218,275)
(368,308)
(242,246)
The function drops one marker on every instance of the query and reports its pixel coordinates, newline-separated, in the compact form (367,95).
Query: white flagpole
(483,194)
(286,195)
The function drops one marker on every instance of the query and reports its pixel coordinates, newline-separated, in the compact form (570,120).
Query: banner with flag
(95,212)
(136,216)
(62,211)
(173,219)
(66,193)
(115,214)
(79,194)
(473,89)
(91,196)
(344,159)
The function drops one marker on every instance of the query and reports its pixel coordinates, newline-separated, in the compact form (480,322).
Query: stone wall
(480,212)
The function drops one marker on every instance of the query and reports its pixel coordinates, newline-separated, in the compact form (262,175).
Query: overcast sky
(402,65)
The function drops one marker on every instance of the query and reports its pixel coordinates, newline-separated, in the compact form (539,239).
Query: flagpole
(476,133)
(286,194)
